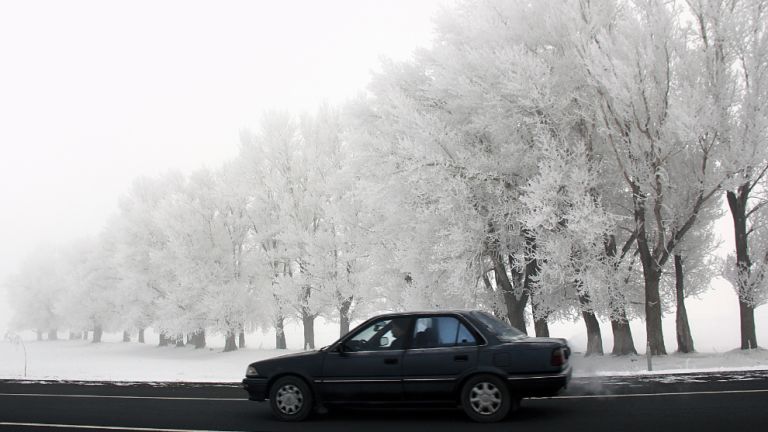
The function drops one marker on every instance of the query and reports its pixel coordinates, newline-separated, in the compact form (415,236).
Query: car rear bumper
(540,384)
(256,388)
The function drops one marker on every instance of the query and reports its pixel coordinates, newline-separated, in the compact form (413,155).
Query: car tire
(291,399)
(486,398)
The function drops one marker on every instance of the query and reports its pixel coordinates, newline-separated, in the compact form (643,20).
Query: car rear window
(502,330)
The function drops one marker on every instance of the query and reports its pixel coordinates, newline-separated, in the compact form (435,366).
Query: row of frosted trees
(543,160)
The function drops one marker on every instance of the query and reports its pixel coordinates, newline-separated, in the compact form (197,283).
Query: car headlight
(251,371)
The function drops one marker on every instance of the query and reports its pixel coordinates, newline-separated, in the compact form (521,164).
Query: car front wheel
(486,398)
(291,399)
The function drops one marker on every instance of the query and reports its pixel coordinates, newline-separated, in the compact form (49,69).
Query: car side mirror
(384,341)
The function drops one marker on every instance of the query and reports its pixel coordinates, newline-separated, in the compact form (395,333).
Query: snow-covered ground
(132,361)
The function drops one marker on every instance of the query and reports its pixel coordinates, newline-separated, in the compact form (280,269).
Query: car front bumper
(256,388)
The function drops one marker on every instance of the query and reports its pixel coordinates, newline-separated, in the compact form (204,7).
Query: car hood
(298,355)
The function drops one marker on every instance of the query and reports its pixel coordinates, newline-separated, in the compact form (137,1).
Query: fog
(98,93)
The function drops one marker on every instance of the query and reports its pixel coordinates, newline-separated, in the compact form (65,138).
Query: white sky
(96,93)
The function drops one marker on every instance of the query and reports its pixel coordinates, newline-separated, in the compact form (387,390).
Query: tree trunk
(539,319)
(141,335)
(126,336)
(515,305)
(280,333)
(531,272)
(53,334)
(684,338)
(198,339)
(229,344)
(241,339)
(308,322)
(594,336)
(164,339)
(346,304)
(652,277)
(97,332)
(737,202)
(622,335)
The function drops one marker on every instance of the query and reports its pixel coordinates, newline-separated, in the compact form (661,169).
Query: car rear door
(442,350)
(369,369)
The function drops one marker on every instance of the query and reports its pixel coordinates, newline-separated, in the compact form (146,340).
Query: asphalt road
(701,402)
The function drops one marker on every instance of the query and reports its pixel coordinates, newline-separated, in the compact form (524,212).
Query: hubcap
(289,399)
(485,398)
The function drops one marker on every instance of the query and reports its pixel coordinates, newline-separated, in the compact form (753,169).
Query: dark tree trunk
(53,334)
(97,332)
(308,322)
(594,336)
(126,336)
(737,202)
(651,278)
(622,335)
(141,335)
(241,339)
(653,309)
(229,343)
(280,333)
(531,272)
(684,338)
(164,339)
(539,319)
(515,305)
(39,335)
(307,318)
(197,339)
(346,304)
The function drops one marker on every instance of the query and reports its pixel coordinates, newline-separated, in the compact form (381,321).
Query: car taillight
(558,357)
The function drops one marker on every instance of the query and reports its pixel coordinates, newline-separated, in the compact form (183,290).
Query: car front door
(441,351)
(367,367)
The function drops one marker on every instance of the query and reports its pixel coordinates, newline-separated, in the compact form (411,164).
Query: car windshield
(499,328)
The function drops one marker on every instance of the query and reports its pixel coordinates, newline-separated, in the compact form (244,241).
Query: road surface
(700,402)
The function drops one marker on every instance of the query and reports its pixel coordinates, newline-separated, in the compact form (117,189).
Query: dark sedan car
(466,358)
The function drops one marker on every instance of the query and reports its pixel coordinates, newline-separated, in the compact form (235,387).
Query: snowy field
(119,361)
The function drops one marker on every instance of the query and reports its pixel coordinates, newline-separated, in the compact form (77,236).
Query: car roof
(462,312)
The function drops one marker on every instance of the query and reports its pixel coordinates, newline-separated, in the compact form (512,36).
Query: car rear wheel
(486,398)
(291,399)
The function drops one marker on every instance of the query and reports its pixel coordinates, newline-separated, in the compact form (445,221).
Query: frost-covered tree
(637,67)
(206,230)
(731,38)
(140,242)
(36,291)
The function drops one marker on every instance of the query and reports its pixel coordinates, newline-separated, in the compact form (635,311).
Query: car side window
(438,332)
(385,334)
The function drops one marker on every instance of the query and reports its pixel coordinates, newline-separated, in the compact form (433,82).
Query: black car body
(417,358)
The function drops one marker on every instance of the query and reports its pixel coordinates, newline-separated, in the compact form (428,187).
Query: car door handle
(462,357)
(390,361)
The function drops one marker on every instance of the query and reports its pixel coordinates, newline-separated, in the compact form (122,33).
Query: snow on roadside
(608,365)
(131,361)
